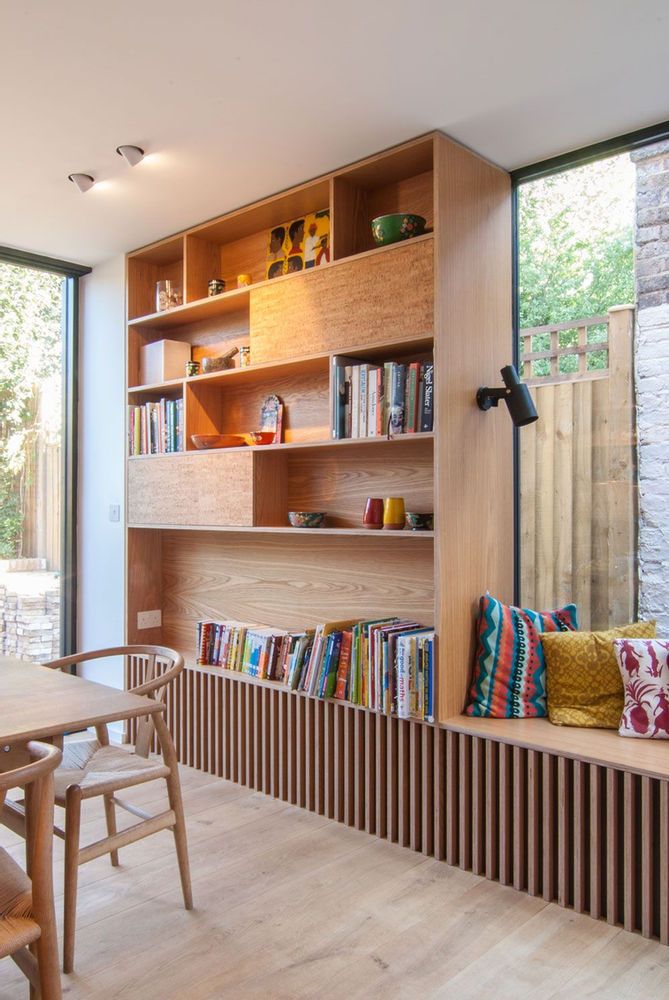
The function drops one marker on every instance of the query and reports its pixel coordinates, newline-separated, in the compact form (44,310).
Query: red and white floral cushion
(644,668)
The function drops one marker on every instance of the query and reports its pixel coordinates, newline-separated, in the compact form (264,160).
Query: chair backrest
(28,765)
(163,665)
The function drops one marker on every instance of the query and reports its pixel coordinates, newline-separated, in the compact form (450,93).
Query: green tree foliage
(575,244)
(30,359)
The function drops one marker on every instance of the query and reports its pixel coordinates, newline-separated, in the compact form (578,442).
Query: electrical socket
(149,619)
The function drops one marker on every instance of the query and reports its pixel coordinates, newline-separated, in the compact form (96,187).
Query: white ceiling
(235,100)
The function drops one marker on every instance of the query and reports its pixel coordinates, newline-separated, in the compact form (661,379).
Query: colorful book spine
(427,409)
(344,665)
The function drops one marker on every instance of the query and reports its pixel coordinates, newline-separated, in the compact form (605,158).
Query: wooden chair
(94,768)
(27,919)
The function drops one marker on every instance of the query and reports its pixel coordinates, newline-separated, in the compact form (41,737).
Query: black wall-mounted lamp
(516,395)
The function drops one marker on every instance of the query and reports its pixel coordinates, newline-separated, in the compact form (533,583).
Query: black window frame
(69,461)
(544,168)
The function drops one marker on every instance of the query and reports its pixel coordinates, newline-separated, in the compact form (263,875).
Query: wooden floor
(290,905)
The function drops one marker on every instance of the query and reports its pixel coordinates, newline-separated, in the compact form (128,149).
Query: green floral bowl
(306,518)
(387,229)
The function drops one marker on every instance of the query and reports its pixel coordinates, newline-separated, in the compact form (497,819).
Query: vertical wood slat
(359,768)
(381,778)
(505,782)
(548,827)
(415,786)
(664,862)
(370,772)
(579,837)
(492,807)
(426,798)
(403,802)
(340,763)
(629,848)
(647,835)
(597,863)
(465,801)
(349,771)
(519,818)
(563,813)
(452,798)
(439,794)
(392,787)
(329,759)
(478,806)
(533,822)
(612,846)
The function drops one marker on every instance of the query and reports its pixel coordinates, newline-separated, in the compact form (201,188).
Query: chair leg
(110,813)
(176,804)
(72,827)
(180,841)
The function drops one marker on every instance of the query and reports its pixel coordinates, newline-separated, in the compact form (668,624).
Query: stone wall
(652,379)
(29,623)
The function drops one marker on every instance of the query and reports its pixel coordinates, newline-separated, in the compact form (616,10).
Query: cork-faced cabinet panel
(208,489)
(378,298)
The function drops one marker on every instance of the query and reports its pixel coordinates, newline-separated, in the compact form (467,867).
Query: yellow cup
(393,513)
(243,280)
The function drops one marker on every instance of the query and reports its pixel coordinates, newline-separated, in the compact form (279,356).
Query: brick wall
(652,379)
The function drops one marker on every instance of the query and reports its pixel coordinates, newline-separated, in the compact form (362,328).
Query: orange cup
(393,513)
(243,280)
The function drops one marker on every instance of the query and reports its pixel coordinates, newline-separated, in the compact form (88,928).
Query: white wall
(101,465)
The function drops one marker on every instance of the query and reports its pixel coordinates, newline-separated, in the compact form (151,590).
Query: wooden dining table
(37,703)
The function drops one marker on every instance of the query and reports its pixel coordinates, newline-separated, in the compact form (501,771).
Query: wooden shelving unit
(207,531)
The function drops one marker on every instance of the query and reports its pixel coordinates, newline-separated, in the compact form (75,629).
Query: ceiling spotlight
(83,181)
(131,154)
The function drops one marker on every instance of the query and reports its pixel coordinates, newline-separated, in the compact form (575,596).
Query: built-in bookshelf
(208,536)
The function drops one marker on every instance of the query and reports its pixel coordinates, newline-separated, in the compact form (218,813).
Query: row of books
(386,665)
(156,428)
(372,400)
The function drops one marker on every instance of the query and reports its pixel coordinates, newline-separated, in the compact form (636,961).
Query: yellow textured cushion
(583,683)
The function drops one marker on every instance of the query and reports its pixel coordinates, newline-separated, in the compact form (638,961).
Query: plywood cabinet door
(206,490)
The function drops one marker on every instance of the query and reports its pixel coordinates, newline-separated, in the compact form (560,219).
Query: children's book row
(156,428)
(373,400)
(386,665)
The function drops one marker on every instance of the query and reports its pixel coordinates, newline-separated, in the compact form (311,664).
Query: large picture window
(38,405)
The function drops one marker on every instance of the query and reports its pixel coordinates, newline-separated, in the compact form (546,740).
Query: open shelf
(237,299)
(243,678)
(260,530)
(305,364)
(399,439)
(400,181)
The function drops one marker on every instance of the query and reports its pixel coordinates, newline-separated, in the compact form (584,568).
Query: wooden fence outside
(38,487)
(578,483)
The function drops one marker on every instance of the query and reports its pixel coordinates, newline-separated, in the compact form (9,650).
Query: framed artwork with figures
(299,245)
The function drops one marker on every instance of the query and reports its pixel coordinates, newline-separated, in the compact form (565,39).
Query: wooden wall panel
(389,295)
(473,450)
(286,584)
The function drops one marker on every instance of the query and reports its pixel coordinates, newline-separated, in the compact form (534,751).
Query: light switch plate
(114,512)
(149,619)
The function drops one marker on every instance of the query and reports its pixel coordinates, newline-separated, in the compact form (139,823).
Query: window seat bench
(577,816)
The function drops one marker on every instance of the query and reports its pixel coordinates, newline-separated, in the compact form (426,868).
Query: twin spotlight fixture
(132,156)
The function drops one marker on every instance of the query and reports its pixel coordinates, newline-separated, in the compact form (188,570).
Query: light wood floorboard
(290,905)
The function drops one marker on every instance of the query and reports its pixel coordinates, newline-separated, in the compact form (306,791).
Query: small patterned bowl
(306,518)
(419,522)
(387,229)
